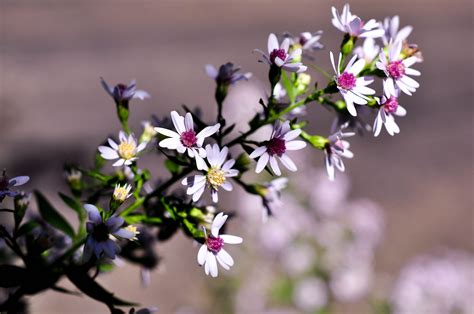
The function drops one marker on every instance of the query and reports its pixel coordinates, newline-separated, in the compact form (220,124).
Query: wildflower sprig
(122,209)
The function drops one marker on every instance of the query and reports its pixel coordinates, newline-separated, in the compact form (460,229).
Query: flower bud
(121,193)
(148,132)
(302,82)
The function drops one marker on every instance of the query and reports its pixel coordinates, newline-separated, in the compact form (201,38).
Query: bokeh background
(53,109)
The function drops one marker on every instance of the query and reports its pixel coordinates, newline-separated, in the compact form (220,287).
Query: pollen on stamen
(346,80)
(126,150)
(188,138)
(396,69)
(391,105)
(280,53)
(214,244)
(216,177)
(276,146)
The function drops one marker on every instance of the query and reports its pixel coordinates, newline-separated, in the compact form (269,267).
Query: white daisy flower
(122,192)
(126,151)
(275,148)
(368,51)
(390,27)
(215,176)
(212,250)
(352,24)
(388,108)
(335,150)
(278,55)
(397,70)
(186,139)
(307,40)
(352,88)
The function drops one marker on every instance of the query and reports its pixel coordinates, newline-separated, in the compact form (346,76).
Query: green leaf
(288,85)
(52,216)
(74,205)
(78,208)
(26,228)
(172,167)
(140,218)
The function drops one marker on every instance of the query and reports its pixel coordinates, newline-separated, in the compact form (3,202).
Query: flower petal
(201,257)
(231,239)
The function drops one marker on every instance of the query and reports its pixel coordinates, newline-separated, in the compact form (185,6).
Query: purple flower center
(276,146)
(188,138)
(214,244)
(121,88)
(280,53)
(303,40)
(100,232)
(396,69)
(346,80)
(391,105)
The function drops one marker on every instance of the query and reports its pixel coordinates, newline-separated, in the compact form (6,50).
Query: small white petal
(201,257)
(295,145)
(217,223)
(259,151)
(167,132)
(262,162)
(231,239)
(225,257)
(108,153)
(274,165)
(288,163)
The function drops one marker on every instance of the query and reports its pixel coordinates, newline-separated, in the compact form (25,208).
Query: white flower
(353,25)
(215,176)
(368,51)
(148,132)
(186,139)
(126,151)
(278,55)
(275,149)
(335,150)
(212,249)
(307,40)
(354,89)
(388,108)
(390,27)
(121,193)
(397,70)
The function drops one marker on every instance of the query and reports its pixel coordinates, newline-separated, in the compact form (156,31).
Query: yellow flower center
(126,150)
(216,177)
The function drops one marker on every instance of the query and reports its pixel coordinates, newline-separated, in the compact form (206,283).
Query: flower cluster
(199,156)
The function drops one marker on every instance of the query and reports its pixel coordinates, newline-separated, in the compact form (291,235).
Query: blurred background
(53,109)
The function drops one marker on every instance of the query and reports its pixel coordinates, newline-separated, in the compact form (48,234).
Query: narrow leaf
(52,216)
